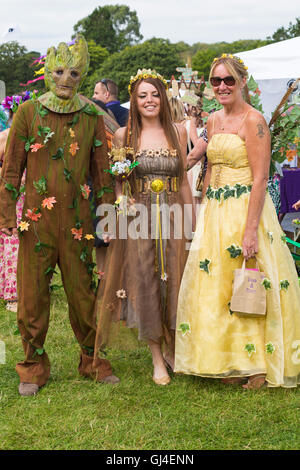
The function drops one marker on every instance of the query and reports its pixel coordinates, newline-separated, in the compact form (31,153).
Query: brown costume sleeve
(13,167)
(99,163)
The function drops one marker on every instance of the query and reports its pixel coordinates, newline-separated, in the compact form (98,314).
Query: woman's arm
(185,189)
(117,141)
(193,130)
(258,145)
(296,206)
(197,153)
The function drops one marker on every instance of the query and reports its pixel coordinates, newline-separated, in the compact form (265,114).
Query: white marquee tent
(274,67)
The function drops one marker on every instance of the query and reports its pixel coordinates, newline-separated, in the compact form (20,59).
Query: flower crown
(230,56)
(146,73)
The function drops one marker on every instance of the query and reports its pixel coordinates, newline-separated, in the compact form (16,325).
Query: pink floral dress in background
(9,247)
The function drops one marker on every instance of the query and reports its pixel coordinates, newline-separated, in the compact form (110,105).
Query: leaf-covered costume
(56,171)
(211,339)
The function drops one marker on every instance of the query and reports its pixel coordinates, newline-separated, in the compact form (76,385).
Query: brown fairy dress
(142,273)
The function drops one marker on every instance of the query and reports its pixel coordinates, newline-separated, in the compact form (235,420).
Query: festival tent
(274,67)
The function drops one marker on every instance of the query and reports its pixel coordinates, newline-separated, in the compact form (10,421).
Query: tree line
(117,50)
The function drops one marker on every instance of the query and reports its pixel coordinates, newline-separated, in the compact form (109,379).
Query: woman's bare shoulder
(119,135)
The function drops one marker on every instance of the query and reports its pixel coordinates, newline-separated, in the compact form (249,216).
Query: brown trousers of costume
(34,303)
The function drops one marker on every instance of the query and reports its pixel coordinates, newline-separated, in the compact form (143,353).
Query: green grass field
(191,413)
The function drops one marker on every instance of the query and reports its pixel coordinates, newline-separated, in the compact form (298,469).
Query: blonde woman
(237,221)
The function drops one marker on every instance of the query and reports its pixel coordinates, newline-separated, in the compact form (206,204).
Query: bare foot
(233,380)
(255,382)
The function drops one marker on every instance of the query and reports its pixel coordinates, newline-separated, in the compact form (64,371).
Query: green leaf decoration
(22,189)
(90,267)
(59,154)
(84,254)
(67,174)
(204,265)
(78,224)
(16,331)
(185,328)
(39,246)
(270,348)
(94,285)
(43,131)
(28,141)
(240,189)
(283,239)
(218,194)
(54,287)
(266,283)
(50,270)
(41,185)
(89,350)
(284,285)
(74,204)
(103,190)
(230,311)
(97,143)
(42,111)
(92,110)
(10,187)
(250,348)
(74,120)
(40,351)
(234,250)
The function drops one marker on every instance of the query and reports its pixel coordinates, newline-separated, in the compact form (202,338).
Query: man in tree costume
(60,139)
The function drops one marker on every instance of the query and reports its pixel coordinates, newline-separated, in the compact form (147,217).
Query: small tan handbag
(249,294)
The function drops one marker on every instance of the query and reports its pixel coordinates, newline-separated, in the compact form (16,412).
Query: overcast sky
(44,23)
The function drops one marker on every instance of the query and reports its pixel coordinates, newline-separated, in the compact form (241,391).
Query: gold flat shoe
(165,380)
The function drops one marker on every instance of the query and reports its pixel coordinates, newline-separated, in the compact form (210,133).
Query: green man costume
(60,139)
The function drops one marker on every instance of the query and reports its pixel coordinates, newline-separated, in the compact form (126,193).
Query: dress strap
(243,120)
(213,123)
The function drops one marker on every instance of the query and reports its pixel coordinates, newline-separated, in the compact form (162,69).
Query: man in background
(106,90)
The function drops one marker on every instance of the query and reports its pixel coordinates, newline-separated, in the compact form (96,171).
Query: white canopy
(277,60)
(274,67)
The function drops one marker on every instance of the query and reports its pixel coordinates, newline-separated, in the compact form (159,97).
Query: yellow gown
(211,340)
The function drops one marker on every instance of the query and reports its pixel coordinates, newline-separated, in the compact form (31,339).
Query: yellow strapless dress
(211,340)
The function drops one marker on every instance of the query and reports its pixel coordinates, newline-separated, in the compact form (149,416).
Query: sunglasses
(216,81)
(105,82)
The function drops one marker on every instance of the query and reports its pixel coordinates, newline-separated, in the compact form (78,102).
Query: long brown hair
(134,126)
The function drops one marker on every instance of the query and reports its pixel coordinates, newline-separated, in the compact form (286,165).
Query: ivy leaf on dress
(250,348)
(185,328)
(204,265)
(284,285)
(234,250)
(267,283)
(270,348)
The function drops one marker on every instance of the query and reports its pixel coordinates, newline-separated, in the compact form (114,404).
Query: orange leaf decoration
(49,202)
(36,147)
(33,214)
(73,149)
(77,233)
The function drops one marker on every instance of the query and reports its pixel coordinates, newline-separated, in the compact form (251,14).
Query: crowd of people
(170,274)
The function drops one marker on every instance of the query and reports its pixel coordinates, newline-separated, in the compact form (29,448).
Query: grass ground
(191,413)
